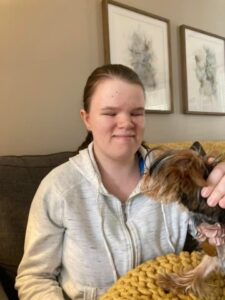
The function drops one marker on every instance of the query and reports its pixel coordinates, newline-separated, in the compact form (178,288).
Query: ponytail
(86,142)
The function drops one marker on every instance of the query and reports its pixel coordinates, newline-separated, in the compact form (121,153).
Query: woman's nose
(125,121)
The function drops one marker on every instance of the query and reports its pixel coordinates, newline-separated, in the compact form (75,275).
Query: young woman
(89,223)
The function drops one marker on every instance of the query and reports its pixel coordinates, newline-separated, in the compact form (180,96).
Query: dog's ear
(197,147)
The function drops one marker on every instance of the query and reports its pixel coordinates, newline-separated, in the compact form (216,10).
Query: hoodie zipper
(124,206)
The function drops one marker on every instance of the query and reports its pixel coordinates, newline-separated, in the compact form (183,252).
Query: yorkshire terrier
(178,176)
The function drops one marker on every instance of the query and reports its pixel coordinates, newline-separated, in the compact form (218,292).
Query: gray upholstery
(19,179)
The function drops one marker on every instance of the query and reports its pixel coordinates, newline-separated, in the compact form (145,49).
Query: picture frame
(203,71)
(141,41)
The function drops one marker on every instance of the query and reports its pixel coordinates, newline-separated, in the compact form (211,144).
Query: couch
(19,179)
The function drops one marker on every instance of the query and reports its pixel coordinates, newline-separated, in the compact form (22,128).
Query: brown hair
(104,72)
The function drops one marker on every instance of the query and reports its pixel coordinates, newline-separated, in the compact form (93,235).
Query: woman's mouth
(123,136)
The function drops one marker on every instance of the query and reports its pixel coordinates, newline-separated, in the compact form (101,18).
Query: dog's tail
(192,280)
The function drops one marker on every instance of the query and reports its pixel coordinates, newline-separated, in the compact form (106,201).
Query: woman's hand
(215,189)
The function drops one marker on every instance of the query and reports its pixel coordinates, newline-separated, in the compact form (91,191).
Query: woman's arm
(40,266)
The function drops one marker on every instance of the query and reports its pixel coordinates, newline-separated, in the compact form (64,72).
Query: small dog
(179,175)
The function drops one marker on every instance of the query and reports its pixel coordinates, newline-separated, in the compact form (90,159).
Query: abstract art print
(203,62)
(140,40)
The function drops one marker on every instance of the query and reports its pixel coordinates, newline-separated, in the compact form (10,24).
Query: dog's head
(179,175)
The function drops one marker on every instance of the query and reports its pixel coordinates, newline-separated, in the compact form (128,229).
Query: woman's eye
(136,114)
(111,114)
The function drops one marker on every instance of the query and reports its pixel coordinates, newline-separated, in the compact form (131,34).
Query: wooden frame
(140,40)
(203,71)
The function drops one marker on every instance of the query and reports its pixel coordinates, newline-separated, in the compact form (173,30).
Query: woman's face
(116,119)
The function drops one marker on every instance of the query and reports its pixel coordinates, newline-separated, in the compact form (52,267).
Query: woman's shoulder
(75,172)
(61,177)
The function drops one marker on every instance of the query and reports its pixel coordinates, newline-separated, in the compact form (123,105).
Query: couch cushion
(19,179)
(2,293)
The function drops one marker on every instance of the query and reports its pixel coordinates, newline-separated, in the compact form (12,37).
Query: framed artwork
(203,71)
(140,40)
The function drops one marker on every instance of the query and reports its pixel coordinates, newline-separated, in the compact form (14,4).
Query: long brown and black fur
(178,176)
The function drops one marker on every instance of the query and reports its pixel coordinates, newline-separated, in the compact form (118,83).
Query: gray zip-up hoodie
(80,239)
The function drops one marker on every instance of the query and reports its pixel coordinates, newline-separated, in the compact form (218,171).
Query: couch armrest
(2,293)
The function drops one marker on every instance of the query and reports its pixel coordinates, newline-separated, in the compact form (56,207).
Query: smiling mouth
(124,136)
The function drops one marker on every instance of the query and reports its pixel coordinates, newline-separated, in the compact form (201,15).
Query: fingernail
(210,202)
(204,192)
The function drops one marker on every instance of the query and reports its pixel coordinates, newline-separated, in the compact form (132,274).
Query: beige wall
(47,50)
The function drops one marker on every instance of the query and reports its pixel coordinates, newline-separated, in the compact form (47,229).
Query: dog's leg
(192,280)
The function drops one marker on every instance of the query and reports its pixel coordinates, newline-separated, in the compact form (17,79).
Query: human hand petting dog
(215,189)
(215,194)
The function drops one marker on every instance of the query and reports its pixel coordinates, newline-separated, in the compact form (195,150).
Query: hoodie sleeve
(40,265)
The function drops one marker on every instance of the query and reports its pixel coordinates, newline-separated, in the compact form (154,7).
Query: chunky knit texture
(210,147)
(141,282)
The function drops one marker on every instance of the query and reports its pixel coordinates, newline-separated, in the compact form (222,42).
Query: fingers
(217,195)
(215,190)
(222,202)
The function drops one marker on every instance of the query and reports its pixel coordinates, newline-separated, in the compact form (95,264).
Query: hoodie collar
(86,164)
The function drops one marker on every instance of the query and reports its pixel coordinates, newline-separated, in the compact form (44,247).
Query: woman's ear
(85,117)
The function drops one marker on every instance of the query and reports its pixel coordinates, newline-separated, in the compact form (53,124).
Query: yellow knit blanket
(211,147)
(140,283)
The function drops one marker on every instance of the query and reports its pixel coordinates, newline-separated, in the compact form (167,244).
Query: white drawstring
(167,229)
(109,254)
